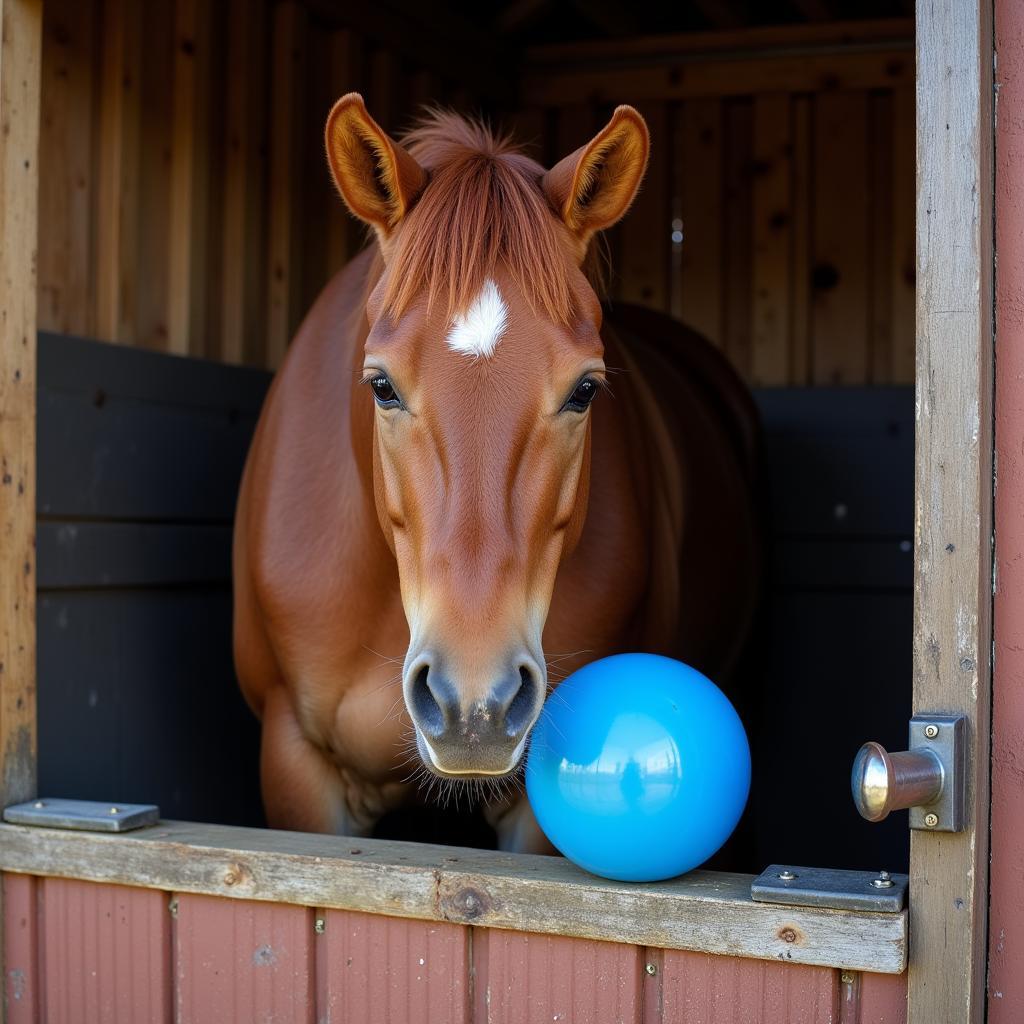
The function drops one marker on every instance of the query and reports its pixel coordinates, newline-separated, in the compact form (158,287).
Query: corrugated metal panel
(21,961)
(524,979)
(883,999)
(238,961)
(702,989)
(379,970)
(105,954)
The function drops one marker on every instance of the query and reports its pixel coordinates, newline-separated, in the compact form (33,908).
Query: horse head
(482,359)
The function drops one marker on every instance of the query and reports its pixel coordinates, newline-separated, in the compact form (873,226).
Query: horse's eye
(582,395)
(383,390)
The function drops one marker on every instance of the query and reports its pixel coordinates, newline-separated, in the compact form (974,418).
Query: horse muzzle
(469,734)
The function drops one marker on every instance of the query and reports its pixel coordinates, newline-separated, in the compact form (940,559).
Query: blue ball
(639,768)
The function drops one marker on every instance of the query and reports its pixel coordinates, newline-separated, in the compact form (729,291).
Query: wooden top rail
(706,911)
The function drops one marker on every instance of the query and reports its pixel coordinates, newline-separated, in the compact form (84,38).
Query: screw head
(39,804)
(931,731)
(319,926)
(114,810)
(883,881)
(787,875)
(931,820)
(651,969)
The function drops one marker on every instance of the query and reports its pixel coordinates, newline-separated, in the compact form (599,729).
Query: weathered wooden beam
(886,33)
(953,500)
(682,77)
(703,910)
(21,31)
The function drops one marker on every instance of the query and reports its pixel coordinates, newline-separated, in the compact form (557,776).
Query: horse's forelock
(483,207)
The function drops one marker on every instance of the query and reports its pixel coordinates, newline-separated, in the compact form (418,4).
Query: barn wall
(777,215)
(82,952)
(186,205)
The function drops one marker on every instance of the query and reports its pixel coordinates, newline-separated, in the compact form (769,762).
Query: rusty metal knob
(884,782)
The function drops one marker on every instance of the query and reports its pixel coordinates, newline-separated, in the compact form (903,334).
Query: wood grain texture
(953,499)
(376,970)
(701,989)
(21,950)
(190,180)
(1006,902)
(772,243)
(903,236)
(118,147)
(236,962)
(522,979)
(681,79)
(66,144)
(839,249)
(736,229)
(244,173)
(21,28)
(284,267)
(105,954)
(700,126)
(706,911)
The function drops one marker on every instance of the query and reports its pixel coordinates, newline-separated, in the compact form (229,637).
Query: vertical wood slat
(839,312)
(644,254)
(1006,901)
(524,978)
(736,233)
(242,961)
(105,954)
(117,184)
(903,338)
(284,267)
(702,195)
(883,999)
(772,241)
(953,490)
(69,70)
(244,181)
(801,277)
(375,970)
(188,256)
(703,989)
(152,306)
(21,950)
(21,27)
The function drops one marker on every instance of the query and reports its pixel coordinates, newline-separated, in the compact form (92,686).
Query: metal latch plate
(87,815)
(946,737)
(834,888)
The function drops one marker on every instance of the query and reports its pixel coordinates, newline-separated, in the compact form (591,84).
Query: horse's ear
(376,177)
(592,188)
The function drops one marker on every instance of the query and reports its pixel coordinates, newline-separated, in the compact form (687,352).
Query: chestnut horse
(440,497)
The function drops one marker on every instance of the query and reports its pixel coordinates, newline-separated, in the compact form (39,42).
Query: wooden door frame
(953,490)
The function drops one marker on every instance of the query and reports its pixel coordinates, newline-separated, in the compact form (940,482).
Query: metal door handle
(928,778)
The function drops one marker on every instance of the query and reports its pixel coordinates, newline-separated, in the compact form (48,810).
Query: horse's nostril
(522,706)
(426,711)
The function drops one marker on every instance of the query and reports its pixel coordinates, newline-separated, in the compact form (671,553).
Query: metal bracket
(830,887)
(87,815)
(929,778)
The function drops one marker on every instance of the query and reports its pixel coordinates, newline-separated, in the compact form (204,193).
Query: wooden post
(953,513)
(21,33)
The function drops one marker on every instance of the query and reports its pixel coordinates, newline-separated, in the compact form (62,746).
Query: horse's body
(661,556)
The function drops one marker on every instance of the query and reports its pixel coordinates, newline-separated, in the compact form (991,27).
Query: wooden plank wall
(777,216)
(82,951)
(186,204)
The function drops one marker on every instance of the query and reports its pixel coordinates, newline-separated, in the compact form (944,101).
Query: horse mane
(483,206)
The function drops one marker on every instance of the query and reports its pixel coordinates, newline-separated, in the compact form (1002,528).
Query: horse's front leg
(304,790)
(517,828)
